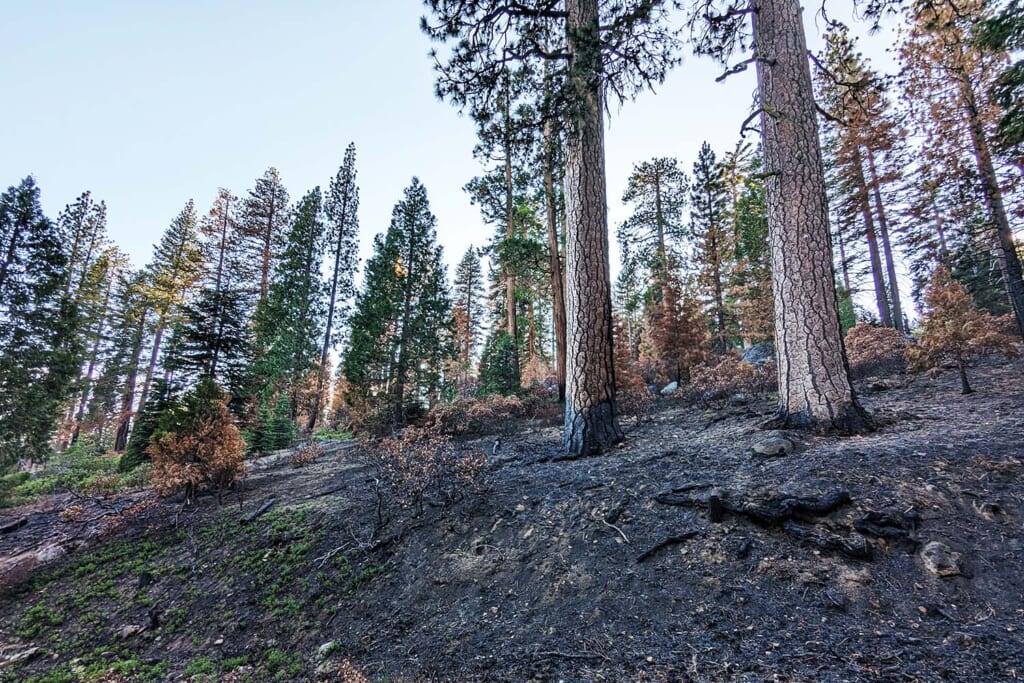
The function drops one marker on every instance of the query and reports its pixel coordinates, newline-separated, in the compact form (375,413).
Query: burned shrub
(874,350)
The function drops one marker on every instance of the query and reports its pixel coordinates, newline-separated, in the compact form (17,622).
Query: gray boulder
(759,354)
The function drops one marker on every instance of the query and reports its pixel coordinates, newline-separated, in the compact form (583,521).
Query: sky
(150,104)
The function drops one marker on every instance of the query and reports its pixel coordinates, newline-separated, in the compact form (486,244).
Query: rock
(128,631)
(773,445)
(50,553)
(737,400)
(326,649)
(759,353)
(669,388)
(940,559)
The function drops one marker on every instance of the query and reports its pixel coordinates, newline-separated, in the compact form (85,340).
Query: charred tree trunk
(883,234)
(555,263)
(591,423)
(814,381)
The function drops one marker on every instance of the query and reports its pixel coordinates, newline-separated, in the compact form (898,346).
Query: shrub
(306,454)
(421,465)
(731,376)
(874,350)
(955,330)
(475,416)
(635,401)
(197,445)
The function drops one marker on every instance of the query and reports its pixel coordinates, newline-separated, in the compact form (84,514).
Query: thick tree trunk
(591,423)
(883,234)
(1006,249)
(814,383)
(555,263)
(881,297)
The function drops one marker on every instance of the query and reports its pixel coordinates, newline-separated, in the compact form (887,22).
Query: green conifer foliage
(39,341)
(401,336)
(499,373)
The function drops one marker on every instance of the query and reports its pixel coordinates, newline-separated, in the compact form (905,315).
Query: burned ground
(604,568)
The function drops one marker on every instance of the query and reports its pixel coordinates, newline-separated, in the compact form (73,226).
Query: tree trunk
(881,297)
(314,414)
(883,234)
(555,263)
(93,355)
(961,366)
(161,324)
(842,260)
(591,422)
(124,424)
(1009,261)
(510,279)
(814,383)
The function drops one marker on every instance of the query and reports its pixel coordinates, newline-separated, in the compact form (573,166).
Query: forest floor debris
(572,570)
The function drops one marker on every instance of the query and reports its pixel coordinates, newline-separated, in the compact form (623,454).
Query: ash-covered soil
(681,555)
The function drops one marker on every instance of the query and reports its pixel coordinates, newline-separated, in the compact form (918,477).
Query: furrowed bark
(814,383)
(591,423)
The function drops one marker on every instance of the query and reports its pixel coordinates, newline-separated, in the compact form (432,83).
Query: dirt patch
(574,570)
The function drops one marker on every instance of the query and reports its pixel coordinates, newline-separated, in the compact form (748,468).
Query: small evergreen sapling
(955,330)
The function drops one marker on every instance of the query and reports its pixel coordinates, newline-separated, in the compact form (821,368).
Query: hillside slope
(681,555)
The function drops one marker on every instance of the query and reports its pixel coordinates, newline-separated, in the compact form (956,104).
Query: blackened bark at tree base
(851,420)
(591,430)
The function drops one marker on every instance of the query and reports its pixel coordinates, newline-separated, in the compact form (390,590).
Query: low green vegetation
(268,581)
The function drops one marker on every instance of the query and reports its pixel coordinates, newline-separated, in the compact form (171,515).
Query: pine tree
(82,227)
(499,373)
(861,131)
(197,445)
(98,315)
(487,35)
(712,239)
(814,383)
(657,229)
(289,322)
(264,219)
(215,334)
(946,80)
(750,282)
(678,331)
(468,309)
(401,336)
(39,336)
(171,275)
(341,209)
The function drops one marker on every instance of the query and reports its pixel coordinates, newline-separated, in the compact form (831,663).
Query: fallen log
(13,526)
(791,514)
(259,511)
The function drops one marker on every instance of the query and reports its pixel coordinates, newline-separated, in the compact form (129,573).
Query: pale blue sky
(149,104)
